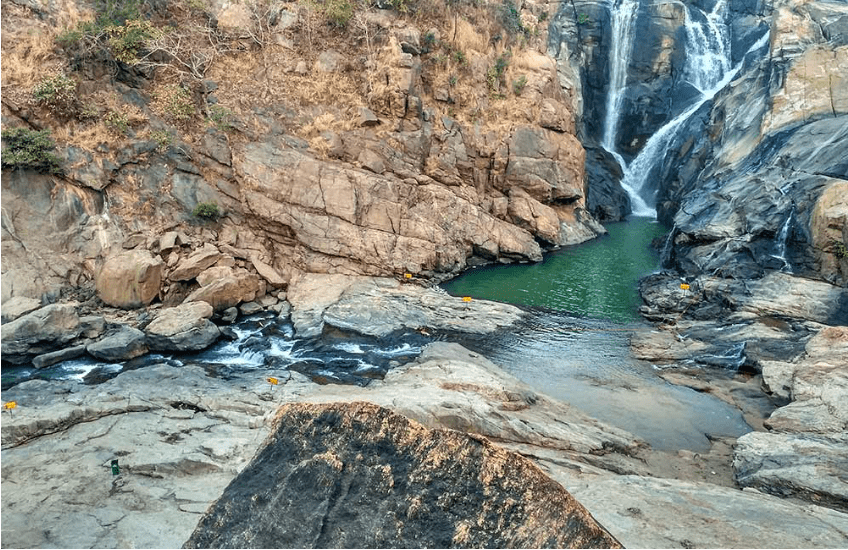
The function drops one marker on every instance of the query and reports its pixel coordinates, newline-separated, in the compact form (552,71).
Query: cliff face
(749,180)
(358,475)
(387,141)
(757,189)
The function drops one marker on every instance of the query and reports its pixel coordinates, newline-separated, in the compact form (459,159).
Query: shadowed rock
(358,475)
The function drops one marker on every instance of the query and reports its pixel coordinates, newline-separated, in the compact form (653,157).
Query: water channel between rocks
(575,344)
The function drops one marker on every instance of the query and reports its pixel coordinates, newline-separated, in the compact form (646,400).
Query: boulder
(268,273)
(18,305)
(123,344)
(250,308)
(193,265)
(43,330)
(48,359)
(329,61)
(227,291)
(528,213)
(130,279)
(212,274)
(171,240)
(183,328)
(377,307)
(359,475)
(801,465)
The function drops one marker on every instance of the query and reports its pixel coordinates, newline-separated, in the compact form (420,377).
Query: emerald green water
(594,279)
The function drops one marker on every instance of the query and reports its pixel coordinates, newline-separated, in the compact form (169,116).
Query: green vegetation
(543,16)
(117,123)
(428,42)
(582,19)
(162,138)
(206,211)
(30,150)
(176,102)
(496,72)
(127,41)
(58,94)
(338,12)
(839,249)
(518,84)
(220,117)
(459,57)
(511,18)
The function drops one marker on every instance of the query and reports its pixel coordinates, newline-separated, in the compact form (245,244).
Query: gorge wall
(754,178)
(417,142)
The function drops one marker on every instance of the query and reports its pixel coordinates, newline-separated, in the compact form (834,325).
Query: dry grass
(29,49)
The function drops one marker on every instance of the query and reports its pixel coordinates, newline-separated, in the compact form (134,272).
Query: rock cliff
(429,143)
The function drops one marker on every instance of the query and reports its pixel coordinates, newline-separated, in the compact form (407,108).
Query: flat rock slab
(179,438)
(356,475)
(805,465)
(700,515)
(380,306)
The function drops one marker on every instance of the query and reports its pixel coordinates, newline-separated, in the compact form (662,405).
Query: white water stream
(708,68)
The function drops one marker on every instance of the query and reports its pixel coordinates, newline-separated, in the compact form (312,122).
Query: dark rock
(606,200)
(229,315)
(126,343)
(358,475)
(52,358)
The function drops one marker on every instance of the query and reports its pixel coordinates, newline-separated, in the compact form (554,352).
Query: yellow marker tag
(466,298)
(407,275)
(273,381)
(684,286)
(10,405)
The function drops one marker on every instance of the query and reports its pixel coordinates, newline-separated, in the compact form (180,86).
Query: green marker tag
(115,469)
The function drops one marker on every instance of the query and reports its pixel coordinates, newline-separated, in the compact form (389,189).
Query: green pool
(594,279)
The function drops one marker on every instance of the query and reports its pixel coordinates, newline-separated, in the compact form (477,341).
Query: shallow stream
(576,344)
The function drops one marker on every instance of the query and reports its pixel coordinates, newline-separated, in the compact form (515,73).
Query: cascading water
(780,242)
(708,70)
(619,57)
(707,47)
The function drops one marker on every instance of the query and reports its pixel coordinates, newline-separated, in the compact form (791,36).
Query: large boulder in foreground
(360,476)
(130,279)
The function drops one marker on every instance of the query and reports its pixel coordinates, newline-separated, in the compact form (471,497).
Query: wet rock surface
(356,474)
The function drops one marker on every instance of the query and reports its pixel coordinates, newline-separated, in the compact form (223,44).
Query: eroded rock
(130,279)
(342,467)
(182,328)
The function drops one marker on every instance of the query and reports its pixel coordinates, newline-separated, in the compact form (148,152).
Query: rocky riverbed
(180,436)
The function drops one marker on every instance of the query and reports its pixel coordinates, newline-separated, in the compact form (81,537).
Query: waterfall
(707,47)
(619,58)
(780,242)
(708,68)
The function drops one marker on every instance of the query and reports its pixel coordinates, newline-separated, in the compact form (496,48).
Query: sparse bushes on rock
(206,211)
(175,102)
(518,84)
(58,94)
(338,12)
(29,150)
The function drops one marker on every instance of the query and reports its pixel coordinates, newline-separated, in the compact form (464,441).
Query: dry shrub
(109,107)
(467,38)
